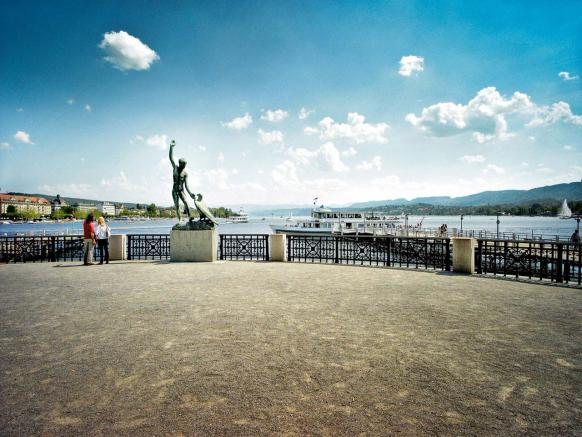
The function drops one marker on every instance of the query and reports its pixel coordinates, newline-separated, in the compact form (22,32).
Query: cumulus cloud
(274,116)
(71,102)
(285,173)
(239,123)
(471,159)
(355,130)
(19,109)
(265,138)
(158,140)
(547,115)
(88,108)
(349,152)
(569,148)
(374,163)
(202,148)
(304,113)
(411,64)
(4,146)
(220,157)
(126,52)
(564,75)
(484,116)
(492,168)
(326,157)
(23,137)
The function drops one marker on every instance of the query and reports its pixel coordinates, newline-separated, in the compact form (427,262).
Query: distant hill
(570,191)
(73,200)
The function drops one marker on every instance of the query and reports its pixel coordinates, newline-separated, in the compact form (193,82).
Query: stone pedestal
(278,247)
(464,255)
(193,246)
(117,247)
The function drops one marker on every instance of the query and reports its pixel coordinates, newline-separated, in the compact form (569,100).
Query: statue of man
(180,182)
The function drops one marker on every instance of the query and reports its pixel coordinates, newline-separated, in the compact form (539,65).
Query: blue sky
(400,99)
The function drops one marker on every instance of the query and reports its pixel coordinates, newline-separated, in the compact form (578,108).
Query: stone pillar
(279,247)
(193,246)
(464,255)
(118,247)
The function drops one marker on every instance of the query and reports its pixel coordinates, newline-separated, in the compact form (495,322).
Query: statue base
(194,225)
(191,245)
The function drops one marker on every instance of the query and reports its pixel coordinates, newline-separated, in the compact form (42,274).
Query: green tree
(152,210)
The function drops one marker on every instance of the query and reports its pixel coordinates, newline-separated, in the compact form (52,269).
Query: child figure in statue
(180,182)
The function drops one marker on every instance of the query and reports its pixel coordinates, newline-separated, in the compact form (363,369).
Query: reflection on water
(536,225)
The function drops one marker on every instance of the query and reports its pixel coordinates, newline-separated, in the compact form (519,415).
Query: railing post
(289,239)
(448,255)
(221,245)
(336,260)
(266,239)
(52,251)
(388,250)
(129,255)
(479,256)
(559,262)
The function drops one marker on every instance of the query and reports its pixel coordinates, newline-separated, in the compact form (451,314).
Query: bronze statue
(207,220)
(180,181)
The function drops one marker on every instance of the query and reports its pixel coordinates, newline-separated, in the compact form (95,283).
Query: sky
(279,102)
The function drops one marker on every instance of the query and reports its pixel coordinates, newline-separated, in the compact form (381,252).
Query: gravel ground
(239,348)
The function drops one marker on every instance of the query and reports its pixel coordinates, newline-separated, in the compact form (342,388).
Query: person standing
(102,232)
(88,240)
(575,238)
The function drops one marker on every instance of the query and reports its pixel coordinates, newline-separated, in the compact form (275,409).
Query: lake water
(524,225)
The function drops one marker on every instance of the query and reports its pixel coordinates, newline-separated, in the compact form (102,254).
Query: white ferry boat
(242,217)
(327,220)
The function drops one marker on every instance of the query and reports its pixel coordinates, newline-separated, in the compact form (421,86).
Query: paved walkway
(266,348)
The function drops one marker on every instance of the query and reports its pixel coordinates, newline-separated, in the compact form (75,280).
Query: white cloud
(492,168)
(285,174)
(19,109)
(564,75)
(484,116)
(202,148)
(239,123)
(4,146)
(71,102)
(326,157)
(569,148)
(349,152)
(88,108)
(304,113)
(472,158)
(355,130)
(220,157)
(547,115)
(374,163)
(158,140)
(524,164)
(275,116)
(411,64)
(235,171)
(270,137)
(544,169)
(126,52)
(23,137)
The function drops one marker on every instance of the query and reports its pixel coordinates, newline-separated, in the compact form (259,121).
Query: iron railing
(42,249)
(148,246)
(558,262)
(244,247)
(427,253)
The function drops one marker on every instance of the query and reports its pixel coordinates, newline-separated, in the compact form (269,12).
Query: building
(86,207)
(118,208)
(23,203)
(107,208)
(57,203)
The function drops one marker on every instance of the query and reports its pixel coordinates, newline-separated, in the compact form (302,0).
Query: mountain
(570,191)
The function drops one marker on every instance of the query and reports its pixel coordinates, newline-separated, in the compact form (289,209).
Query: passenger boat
(327,220)
(241,217)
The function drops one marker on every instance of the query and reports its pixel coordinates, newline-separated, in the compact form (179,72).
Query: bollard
(464,255)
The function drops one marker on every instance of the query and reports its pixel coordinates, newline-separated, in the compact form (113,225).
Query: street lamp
(462,216)
(498,214)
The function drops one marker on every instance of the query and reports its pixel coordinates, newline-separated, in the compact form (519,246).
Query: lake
(537,225)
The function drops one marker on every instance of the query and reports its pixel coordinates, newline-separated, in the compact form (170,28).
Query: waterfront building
(24,203)
(118,208)
(86,207)
(107,208)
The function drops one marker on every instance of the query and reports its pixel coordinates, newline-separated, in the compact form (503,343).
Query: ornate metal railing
(244,247)
(427,253)
(558,262)
(148,246)
(41,249)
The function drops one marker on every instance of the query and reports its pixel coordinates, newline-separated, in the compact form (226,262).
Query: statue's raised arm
(172,145)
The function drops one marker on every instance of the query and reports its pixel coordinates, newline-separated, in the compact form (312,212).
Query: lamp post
(498,214)
(462,216)
(406,223)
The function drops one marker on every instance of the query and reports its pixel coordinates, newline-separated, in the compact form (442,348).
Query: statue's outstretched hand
(198,197)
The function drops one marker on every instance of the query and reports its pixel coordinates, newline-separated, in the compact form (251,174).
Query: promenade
(241,348)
